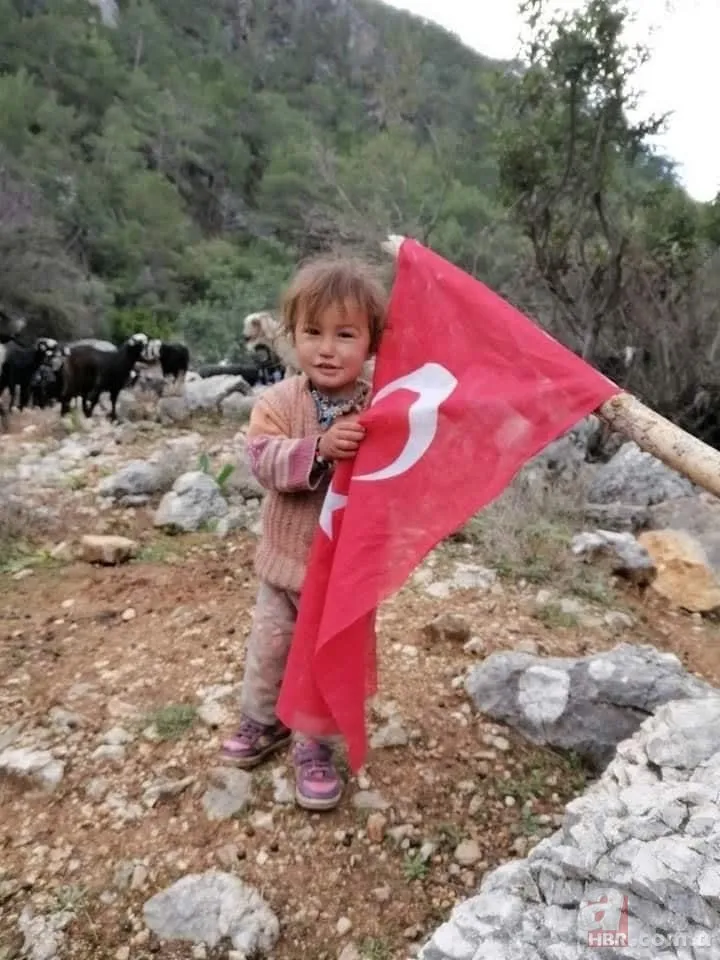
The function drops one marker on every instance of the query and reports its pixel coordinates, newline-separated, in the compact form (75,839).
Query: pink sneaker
(254,742)
(317,783)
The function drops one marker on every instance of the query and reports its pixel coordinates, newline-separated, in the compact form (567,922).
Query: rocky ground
(119,682)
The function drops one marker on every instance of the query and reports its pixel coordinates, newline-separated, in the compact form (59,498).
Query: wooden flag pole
(624,413)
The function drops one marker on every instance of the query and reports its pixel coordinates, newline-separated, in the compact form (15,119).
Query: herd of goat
(48,372)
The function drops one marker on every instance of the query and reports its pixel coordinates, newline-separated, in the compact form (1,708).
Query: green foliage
(710,220)
(373,948)
(229,288)
(621,256)
(125,322)
(554,617)
(179,164)
(168,172)
(565,148)
(173,721)
(223,474)
(415,867)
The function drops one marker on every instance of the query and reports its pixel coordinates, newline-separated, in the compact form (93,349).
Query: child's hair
(326,280)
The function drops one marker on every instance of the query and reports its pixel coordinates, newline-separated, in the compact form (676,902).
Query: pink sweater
(282,439)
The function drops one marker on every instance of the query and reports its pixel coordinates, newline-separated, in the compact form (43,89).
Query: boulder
(108,550)
(587,705)
(38,765)
(621,517)
(133,405)
(628,557)
(194,501)
(206,908)
(465,576)
(136,478)
(172,410)
(635,477)
(229,792)
(237,518)
(698,516)
(448,626)
(564,458)
(206,395)
(238,407)
(684,575)
(634,868)
(44,936)
(156,475)
(241,482)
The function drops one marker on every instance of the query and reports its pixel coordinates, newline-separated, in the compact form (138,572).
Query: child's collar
(329,408)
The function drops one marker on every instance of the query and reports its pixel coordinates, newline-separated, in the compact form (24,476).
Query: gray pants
(266,654)
(267,651)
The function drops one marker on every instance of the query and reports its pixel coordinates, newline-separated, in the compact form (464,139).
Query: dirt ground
(137,647)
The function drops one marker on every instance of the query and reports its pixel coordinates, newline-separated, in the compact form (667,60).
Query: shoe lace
(250,728)
(315,759)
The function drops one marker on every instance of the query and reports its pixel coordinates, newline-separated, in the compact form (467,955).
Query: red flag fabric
(466,391)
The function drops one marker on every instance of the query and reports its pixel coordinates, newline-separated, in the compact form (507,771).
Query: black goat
(90,372)
(263,367)
(174,359)
(46,385)
(20,365)
(248,371)
(9,328)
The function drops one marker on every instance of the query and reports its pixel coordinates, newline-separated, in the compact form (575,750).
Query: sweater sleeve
(280,462)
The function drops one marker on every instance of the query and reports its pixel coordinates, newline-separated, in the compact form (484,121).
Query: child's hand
(342,439)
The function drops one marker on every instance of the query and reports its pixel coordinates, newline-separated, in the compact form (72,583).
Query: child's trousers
(267,651)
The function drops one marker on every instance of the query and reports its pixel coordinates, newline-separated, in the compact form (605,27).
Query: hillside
(163,165)
(170,168)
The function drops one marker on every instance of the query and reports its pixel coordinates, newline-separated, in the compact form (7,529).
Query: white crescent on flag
(332,502)
(433,384)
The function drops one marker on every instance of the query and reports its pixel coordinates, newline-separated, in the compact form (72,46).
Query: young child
(334,311)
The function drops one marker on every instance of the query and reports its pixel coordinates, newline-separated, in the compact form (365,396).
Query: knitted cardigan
(282,441)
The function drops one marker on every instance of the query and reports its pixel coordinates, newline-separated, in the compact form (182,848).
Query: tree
(566,145)
(37,278)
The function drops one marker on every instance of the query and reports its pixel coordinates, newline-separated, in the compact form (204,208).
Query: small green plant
(531,786)
(23,557)
(263,779)
(69,898)
(222,476)
(415,868)
(449,835)
(156,552)
(173,721)
(576,773)
(551,771)
(373,948)
(77,482)
(594,589)
(530,824)
(552,615)
(71,420)
(226,471)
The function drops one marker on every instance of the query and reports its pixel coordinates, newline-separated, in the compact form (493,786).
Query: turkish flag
(466,391)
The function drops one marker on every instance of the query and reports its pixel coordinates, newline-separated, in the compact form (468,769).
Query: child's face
(333,346)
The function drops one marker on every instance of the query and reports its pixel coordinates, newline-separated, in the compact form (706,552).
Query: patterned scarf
(328,409)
